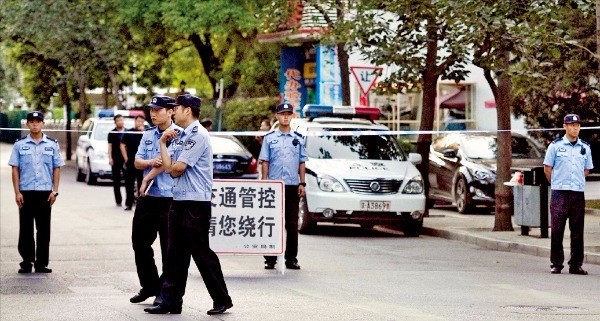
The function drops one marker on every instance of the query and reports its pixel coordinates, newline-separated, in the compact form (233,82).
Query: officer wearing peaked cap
(283,155)
(36,161)
(568,161)
(189,161)
(150,216)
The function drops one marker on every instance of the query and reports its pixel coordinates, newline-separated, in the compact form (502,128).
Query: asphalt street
(347,274)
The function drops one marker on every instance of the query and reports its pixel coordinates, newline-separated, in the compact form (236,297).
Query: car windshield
(224,145)
(102,131)
(486,147)
(379,147)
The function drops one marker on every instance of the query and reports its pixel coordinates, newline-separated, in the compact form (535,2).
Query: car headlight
(483,175)
(414,186)
(330,184)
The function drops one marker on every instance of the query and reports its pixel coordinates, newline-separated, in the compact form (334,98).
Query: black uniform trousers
(117,169)
(150,218)
(567,205)
(291,226)
(189,223)
(132,175)
(35,208)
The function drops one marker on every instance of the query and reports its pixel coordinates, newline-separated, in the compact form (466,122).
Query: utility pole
(220,102)
(598,32)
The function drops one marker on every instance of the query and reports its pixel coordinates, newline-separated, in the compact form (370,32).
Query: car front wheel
(462,197)
(306,225)
(80,173)
(90,179)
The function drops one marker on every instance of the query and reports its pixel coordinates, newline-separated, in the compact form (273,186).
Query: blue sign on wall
(329,80)
(291,82)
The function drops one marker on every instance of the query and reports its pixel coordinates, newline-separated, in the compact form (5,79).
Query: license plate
(225,167)
(379,206)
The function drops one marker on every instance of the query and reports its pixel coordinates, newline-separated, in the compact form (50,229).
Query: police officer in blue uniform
(150,216)
(283,154)
(568,161)
(189,161)
(36,163)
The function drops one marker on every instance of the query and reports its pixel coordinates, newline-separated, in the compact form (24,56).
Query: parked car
(362,179)
(91,155)
(462,167)
(231,159)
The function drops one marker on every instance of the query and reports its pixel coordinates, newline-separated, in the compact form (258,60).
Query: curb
(504,246)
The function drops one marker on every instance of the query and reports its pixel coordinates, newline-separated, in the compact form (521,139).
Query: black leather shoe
(219,309)
(292,265)
(164,309)
(269,266)
(25,270)
(128,208)
(555,270)
(577,270)
(43,270)
(140,297)
(157,301)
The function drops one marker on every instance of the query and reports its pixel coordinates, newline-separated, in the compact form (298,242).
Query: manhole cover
(543,308)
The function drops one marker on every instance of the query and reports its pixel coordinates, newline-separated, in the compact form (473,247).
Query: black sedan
(462,167)
(231,159)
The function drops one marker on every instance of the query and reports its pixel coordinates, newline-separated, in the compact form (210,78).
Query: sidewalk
(477,229)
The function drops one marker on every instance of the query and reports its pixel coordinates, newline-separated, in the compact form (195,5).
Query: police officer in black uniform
(568,161)
(189,161)
(36,163)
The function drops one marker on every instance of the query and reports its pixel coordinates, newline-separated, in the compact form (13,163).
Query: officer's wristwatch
(302,184)
(55,193)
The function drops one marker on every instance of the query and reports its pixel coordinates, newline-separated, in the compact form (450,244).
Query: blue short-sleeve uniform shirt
(284,152)
(568,163)
(193,148)
(149,148)
(36,162)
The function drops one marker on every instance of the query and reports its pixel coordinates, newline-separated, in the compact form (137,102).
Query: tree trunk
(344,72)
(64,93)
(209,62)
(105,93)
(503,207)
(115,87)
(81,76)
(430,77)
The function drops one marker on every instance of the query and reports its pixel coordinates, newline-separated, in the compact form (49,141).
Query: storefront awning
(456,100)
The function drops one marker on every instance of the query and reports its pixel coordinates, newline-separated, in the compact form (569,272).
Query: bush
(248,113)
(13,120)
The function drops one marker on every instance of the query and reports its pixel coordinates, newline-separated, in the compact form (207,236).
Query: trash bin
(530,201)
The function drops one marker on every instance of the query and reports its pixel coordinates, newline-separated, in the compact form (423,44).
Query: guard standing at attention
(189,161)
(283,154)
(150,216)
(568,161)
(36,163)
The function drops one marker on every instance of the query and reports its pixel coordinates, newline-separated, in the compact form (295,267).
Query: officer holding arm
(189,161)
(36,163)
(283,154)
(568,161)
(150,216)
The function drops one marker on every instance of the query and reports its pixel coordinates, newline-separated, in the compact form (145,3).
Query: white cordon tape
(341,132)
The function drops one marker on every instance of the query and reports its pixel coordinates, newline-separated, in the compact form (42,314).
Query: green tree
(424,40)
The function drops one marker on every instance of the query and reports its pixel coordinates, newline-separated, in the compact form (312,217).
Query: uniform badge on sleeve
(189,144)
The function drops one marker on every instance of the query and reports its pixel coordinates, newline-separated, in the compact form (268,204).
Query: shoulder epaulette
(557,140)
(18,139)
(150,128)
(297,133)
(584,142)
(269,133)
(51,139)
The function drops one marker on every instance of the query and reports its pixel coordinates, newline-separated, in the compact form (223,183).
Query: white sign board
(366,77)
(247,217)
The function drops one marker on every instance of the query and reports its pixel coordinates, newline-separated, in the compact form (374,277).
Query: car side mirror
(415,158)
(449,153)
